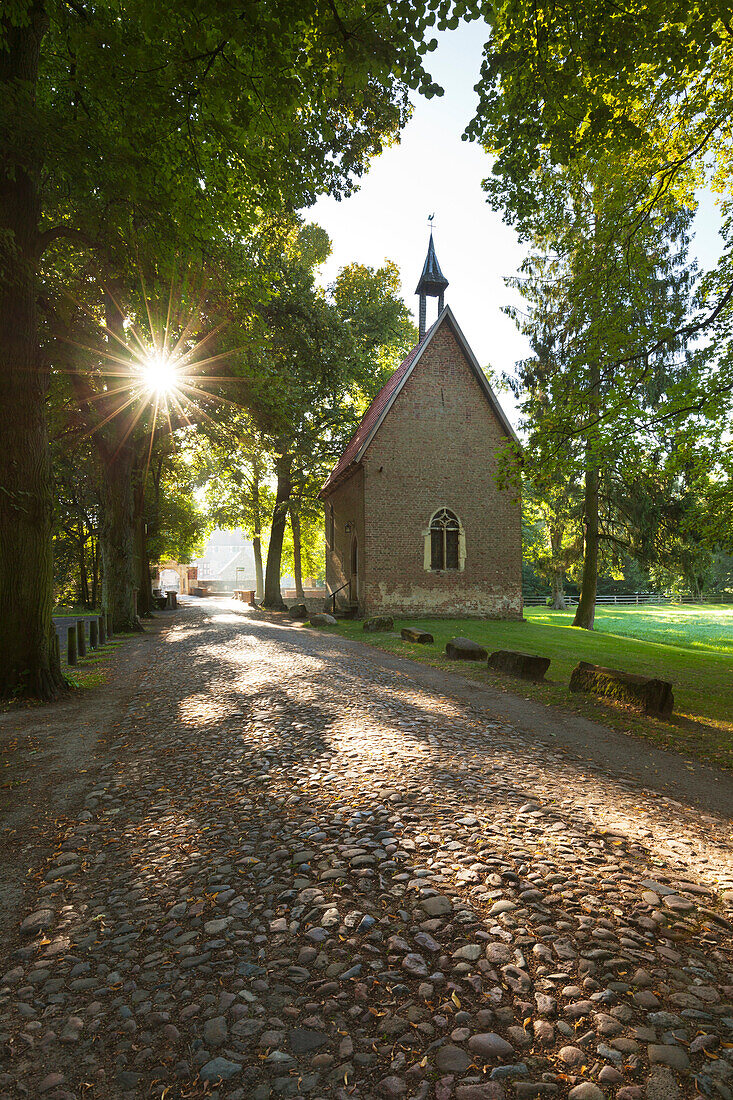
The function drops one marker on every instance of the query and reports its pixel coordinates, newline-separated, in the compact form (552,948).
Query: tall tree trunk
(95,572)
(297,564)
(586,610)
(117,540)
(259,573)
(273,597)
(558,590)
(29,662)
(118,533)
(144,583)
(558,573)
(257,536)
(83,578)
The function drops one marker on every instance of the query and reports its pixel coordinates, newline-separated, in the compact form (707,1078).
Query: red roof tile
(372,416)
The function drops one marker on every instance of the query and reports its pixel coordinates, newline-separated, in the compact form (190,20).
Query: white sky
(433,171)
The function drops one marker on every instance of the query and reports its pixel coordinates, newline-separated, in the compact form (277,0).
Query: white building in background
(228,559)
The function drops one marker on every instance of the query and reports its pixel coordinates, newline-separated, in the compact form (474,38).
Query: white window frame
(427,542)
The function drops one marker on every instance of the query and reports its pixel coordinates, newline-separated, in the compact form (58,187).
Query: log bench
(463,649)
(644,694)
(410,634)
(527,666)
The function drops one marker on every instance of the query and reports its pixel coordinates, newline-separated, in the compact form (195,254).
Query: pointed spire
(432,284)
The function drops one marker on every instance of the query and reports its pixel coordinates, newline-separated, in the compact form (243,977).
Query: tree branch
(62,232)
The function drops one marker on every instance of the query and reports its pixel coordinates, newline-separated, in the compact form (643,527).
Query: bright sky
(433,171)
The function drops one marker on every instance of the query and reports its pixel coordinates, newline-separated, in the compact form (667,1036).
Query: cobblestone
(305,875)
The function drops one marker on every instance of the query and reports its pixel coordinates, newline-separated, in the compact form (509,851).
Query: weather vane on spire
(432,283)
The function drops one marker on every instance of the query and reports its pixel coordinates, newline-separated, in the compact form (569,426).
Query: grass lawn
(691,646)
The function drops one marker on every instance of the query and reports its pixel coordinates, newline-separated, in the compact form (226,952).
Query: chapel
(417,523)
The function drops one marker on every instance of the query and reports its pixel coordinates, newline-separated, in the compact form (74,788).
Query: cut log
(525,665)
(379,623)
(420,636)
(463,649)
(645,694)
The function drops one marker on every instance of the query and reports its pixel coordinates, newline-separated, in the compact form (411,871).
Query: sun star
(159,373)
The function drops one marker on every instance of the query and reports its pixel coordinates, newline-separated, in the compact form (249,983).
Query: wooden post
(102,631)
(71,645)
(81,638)
(110,630)
(93,633)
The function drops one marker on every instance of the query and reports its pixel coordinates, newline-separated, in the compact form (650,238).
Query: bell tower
(432,284)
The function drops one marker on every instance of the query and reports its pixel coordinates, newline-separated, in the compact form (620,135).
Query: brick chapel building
(415,521)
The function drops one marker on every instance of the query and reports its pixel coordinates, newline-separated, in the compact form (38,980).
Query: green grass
(691,646)
(94,669)
(75,609)
(706,627)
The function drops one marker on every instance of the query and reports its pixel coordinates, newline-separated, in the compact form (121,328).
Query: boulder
(298,611)
(379,623)
(463,649)
(644,694)
(322,620)
(525,665)
(420,636)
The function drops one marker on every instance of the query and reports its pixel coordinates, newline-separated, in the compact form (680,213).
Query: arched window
(445,544)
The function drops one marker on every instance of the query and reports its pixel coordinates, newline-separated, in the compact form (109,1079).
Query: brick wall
(438,447)
(347,501)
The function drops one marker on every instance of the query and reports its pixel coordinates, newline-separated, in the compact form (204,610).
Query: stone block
(463,649)
(644,694)
(420,636)
(322,620)
(379,624)
(527,666)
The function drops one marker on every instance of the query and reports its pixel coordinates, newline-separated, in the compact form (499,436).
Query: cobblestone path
(305,875)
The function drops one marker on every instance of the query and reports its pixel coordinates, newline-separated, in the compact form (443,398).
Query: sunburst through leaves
(153,378)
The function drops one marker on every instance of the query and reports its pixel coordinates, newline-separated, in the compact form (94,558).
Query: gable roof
(386,397)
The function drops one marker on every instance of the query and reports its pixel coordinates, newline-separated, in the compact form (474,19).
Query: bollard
(93,633)
(102,631)
(110,631)
(81,638)
(71,645)
(170,600)
(56,648)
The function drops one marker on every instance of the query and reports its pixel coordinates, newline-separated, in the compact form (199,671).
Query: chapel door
(354,573)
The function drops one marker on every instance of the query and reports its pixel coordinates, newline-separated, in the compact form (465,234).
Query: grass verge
(699,664)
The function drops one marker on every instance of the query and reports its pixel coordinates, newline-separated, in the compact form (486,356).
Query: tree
(176,523)
(188,119)
(648,83)
(75,526)
(234,469)
(309,361)
(553,517)
(603,315)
